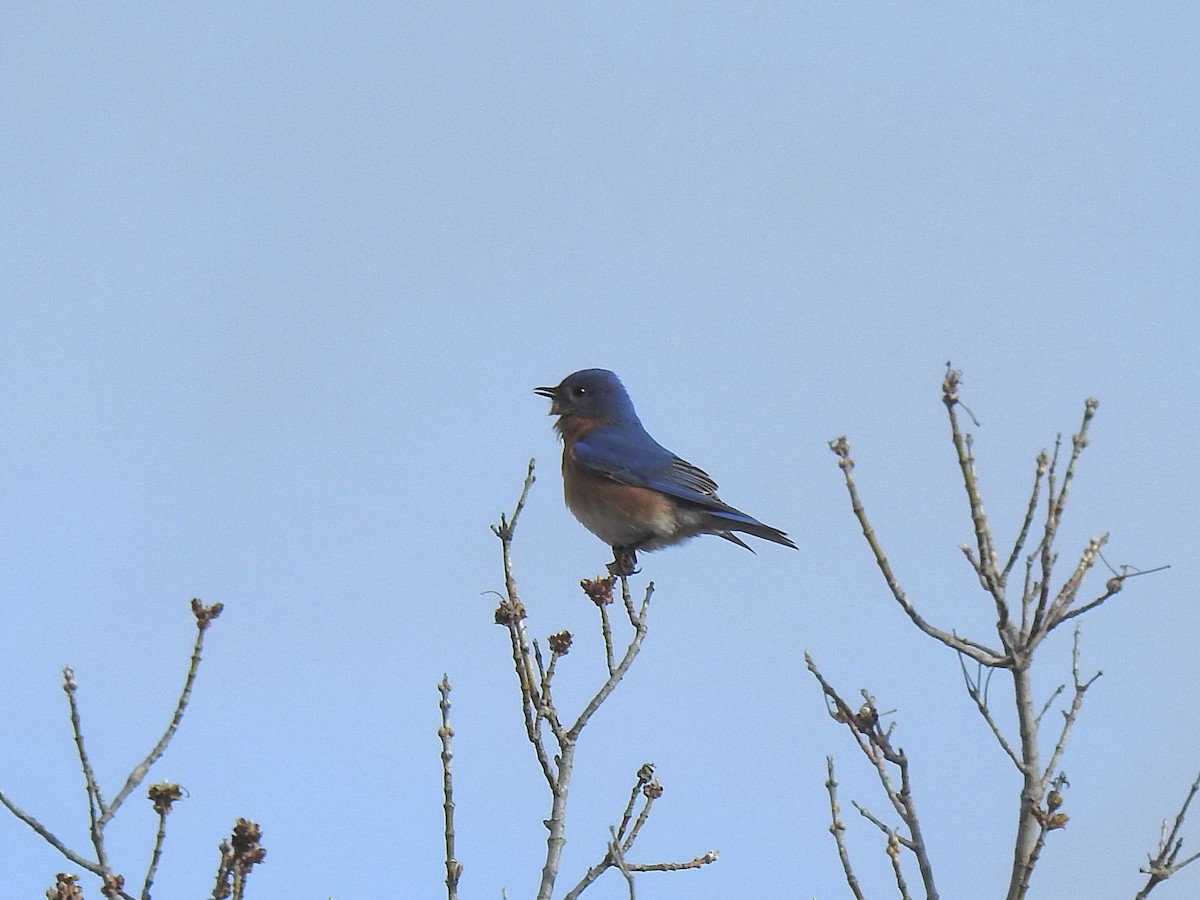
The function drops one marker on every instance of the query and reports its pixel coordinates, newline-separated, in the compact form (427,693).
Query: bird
(624,486)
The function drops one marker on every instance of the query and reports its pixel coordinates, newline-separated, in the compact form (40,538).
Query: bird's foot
(624,562)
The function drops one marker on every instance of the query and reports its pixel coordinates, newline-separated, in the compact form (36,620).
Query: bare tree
(553,735)
(238,856)
(1027,610)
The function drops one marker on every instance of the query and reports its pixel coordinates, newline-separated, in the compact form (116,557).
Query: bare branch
(635,617)
(101,813)
(986,656)
(1038,475)
(1070,714)
(652,792)
(205,616)
(511,613)
(1166,862)
(977,695)
(1070,589)
(987,564)
(1054,695)
(618,858)
(1042,610)
(96,808)
(874,820)
(631,652)
(1047,820)
(893,852)
(1045,548)
(537,705)
(621,842)
(699,862)
(838,829)
(45,834)
(446,734)
(600,592)
(1079,440)
(163,796)
(875,743)
(239,855)
(508,527)
(645,775)
(606,632)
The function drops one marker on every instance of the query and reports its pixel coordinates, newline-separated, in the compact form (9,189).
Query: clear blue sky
(277,282)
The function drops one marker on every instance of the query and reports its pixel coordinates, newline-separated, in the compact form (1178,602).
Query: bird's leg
(624,562)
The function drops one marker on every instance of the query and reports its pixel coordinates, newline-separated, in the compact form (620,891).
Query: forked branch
(554,742)
(101,813)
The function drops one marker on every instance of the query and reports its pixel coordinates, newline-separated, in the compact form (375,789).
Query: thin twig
(963,447)
(1072,712)
(644,776)
(204,617)
(635,618)
(838,829)
(614,678)
(101,813)
(1023,535)
(45,834)
(974,692)
(1056,613)
(893,852)
(618,858)
(1164,864)
(96,808)
(536,704)
(240,853)
(1046,555)
(699,862)
(606,631)
(163,796)
(986,655)
(1054,695)
(446,734)
(532,709)
(652,792)
(155,856)
(621,843)
(876,745)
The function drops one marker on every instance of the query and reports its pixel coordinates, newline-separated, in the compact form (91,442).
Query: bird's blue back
(623,450)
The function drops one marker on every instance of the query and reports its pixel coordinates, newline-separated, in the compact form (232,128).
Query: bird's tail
(739,521)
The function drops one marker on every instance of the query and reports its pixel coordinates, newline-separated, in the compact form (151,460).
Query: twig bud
(841,449)
(163,795)
(510,612)
(867,717)
(244,844)
(66,887)
(599,590)
(950,385)
(560,644)
(205,614)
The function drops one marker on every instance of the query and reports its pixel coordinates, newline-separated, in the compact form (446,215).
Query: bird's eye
(578,391)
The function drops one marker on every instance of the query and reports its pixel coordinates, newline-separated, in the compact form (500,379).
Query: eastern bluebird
(625,487)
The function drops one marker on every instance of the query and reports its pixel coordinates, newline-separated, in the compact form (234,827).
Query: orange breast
(621,515)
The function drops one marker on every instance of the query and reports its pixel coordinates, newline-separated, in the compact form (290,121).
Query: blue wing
(631,456)
(626,453)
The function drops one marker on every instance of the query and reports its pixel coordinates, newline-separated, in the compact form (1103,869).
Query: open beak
(552,395)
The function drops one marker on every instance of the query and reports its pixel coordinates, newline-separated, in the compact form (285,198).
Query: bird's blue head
(595,394)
